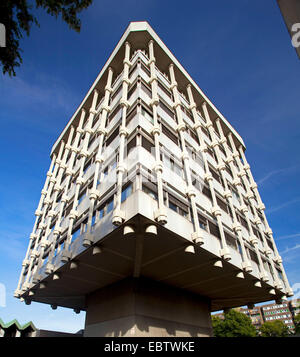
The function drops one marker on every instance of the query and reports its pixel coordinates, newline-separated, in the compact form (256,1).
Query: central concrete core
(142,307)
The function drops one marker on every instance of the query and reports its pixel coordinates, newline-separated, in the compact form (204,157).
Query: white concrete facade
(147,141)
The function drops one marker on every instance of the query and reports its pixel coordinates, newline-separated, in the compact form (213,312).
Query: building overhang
(162,257)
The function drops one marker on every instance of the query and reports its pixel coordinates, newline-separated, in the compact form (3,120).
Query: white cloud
(288,203)
(286,170)
(288,236)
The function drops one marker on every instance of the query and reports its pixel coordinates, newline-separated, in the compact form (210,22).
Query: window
(205,131)
(116,93)
(165,90)
(132,69)
(215,175)
(147,115)
(112,136)
(235,195)
(127,191)
(145,69)
(227,168)
(146,89)
(150,192)
(253,256)
(206,192)
(92,140)
(81,197)
(105,171)
(110,205)
(131,115)
(87,166)
(270,244)
(222,149)
(101,212)
(239,248)
(214,229)
(170,163)
(242,221)
(131,145)
(94,219)
(202,222)
(194,136)
(187,112)
(211,153)
(222,204)
(166,109)
(169,134)
(177,206)
(114,113)
(146,144)
(76,232)
(231,241)
(131,90)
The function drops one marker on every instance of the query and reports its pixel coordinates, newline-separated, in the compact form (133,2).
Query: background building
(149,196)
(285,311)
(15,329)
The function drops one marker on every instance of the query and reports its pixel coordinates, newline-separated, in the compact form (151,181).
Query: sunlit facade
(148,180)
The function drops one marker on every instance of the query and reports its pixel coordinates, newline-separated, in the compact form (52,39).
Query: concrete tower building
(149,218)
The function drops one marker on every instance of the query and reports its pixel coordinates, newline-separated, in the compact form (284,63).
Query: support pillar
(142,307)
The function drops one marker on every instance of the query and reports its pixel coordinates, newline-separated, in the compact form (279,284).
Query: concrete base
(142,307)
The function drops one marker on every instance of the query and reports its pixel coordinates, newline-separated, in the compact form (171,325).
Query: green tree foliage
(275,328)
(297,324)
(234,324)
(17,17)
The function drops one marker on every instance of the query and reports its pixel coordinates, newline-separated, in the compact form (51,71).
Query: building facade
(282,312)
(149,185)
(15,329)
(285,312)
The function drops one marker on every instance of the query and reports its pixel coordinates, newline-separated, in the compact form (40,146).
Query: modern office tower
(149,218)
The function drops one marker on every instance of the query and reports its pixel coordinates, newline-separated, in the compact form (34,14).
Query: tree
(297,324)
(17,18)
(275,328)
(234,324)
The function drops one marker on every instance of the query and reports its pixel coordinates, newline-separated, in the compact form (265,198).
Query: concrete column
(33,235)
(160,215)
(190,192)
(101,130)
(145,308)
(118,215)
(80,180)
(216,211)
(34,253)
(64,200)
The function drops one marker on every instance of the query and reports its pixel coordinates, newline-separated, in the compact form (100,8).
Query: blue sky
(238,52)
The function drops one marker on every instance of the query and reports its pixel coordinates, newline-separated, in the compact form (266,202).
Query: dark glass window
(146,144)
(150,192)
(169,134)
(131,145)
(214,229)
(110,139)
(126,192)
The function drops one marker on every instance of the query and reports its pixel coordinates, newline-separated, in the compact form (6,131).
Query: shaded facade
(149,185)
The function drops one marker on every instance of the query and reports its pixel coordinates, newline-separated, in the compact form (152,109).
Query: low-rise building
(285,311)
